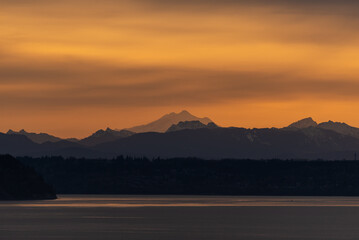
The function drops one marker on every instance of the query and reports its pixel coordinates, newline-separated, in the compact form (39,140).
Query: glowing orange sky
(72,67)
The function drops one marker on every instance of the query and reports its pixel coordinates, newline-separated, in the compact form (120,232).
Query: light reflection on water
(95,217)
(125,201)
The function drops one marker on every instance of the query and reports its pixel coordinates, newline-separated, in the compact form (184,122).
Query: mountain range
(190,125)
(341,128)
(40,137)
(162,124)
(185,135)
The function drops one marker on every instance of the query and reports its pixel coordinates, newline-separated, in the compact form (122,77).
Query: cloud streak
(97,56)
(71,85)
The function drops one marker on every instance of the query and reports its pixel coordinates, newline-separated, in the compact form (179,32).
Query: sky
(72,67)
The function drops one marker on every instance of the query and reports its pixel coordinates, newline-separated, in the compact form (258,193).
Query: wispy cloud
(100,55)
(74,84)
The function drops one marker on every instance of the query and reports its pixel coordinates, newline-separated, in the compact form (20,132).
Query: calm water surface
(180,217)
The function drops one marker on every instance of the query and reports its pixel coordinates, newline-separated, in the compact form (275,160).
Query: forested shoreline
(125,175)
(22,182)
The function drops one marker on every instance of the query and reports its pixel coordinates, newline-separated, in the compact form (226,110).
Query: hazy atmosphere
(71,67)
(179,119)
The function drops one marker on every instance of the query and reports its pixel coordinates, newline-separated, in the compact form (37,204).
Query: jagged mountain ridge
(210,143)
(338,127)
(190,125)
(39,137)
(165,122)
(36,137)
(304,123)
(239,143)
(341,128)
(20,145)
(102,136)
(303,139)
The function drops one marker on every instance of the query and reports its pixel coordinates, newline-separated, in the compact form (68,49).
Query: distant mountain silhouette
(303,139)
(341,128)
(19,182)
(216,143)
(338,127)
(40,137)
(102,136)
(304,123)
(165,122)
(17,144)
(36,137)
(20,145)
(190,125)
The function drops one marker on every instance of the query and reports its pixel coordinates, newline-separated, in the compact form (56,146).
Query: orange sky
(71,67)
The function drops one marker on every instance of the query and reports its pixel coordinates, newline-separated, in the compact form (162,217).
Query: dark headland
(20,182)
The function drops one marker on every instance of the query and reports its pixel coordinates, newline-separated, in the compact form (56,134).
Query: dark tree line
(195,176)
(21,182)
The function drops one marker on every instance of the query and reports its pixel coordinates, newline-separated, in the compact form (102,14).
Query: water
(180,217)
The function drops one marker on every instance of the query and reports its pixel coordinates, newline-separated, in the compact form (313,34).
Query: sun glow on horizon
(72,67)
